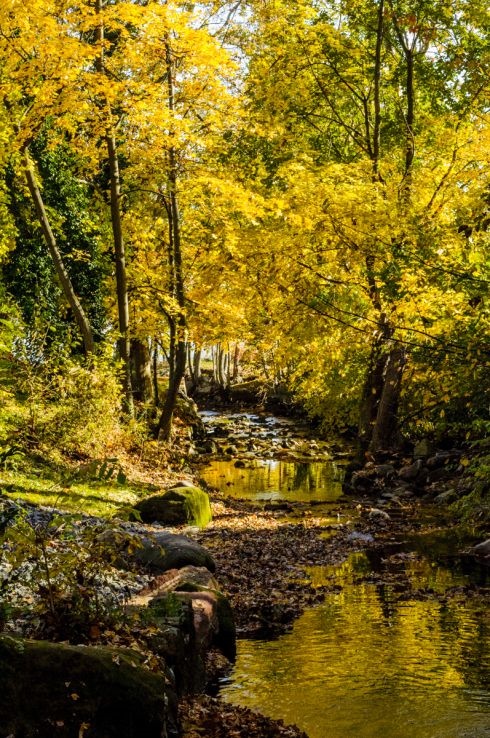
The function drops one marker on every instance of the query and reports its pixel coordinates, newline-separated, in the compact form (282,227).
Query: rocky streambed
(355,612)
(297,571)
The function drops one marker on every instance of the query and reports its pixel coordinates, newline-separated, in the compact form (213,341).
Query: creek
(368,662)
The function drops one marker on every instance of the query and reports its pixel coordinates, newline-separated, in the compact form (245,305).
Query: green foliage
(68,405)
(29,273)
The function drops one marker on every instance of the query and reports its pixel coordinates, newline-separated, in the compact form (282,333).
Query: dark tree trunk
(385,430)
(141,368)
(179,323)
(156,392)
(119,251)
(164,429)
(121,282)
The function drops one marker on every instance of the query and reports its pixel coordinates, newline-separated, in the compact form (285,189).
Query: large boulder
(213,622)
(164,551)
(51,690)
(176,507)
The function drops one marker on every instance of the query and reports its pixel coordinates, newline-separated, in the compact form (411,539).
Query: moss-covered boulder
(176,507)
(51,690)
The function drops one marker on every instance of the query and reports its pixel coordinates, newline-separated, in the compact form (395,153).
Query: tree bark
(141,368)
(156,392)
(196,365)
(385,428)
(63,276)
(117,232)
(164,427)
(121,281)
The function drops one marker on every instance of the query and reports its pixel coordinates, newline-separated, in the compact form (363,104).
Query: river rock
(377,514)
(482,549)
(186,410)
(51,690)
(176,506)
(159,552)
(183,483)
(164,551)
(446,497)
(411,472)
(214,625)
(385,471)
(422,449)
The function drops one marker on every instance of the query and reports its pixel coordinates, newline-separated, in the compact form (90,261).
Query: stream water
(367,663)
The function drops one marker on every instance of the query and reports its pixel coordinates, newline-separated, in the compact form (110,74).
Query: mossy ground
(42,485)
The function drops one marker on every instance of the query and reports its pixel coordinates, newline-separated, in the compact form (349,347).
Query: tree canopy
(305,180)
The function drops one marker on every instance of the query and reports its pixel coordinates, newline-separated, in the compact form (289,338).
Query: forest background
(300,189)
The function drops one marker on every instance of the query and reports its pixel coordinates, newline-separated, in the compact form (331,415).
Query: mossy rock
(51,690)
(166,551)
(176,507)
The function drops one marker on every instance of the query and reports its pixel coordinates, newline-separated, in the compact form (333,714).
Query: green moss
(166,606)
(49,689)
(42,485)
(177,506)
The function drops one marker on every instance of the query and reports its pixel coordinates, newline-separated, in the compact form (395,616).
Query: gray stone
(166,551)
(446,497)
(411,472)
(385,471)
(182,483)
(482,549)
(376,514)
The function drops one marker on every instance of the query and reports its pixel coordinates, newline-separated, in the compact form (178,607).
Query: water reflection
(269,479)
(367,665)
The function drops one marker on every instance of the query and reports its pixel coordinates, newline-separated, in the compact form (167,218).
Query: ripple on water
(363,665)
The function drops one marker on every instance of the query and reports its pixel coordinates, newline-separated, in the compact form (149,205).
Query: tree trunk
(236,362)
(164,428)
(121,281)
(194,367)
(156,393)
(384,434)
(141,368)
(120,257)
(371,394)
(196,362)
(63,276)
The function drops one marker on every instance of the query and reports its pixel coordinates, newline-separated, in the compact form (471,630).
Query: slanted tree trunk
(63,276)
